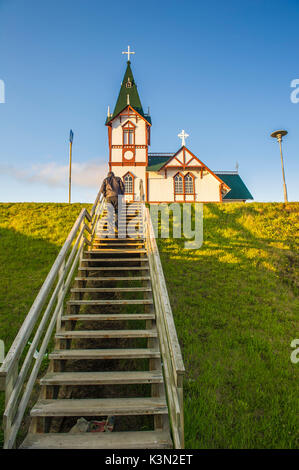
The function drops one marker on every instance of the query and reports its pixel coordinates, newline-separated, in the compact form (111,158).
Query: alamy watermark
(2,91)
(295,93)
(176,220)
(181,222)
(295,354)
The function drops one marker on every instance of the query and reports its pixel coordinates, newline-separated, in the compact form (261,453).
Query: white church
(167,177)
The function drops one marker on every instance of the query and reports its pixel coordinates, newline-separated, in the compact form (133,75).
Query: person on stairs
(112,188)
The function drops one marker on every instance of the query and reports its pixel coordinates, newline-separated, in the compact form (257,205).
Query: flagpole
(70,164)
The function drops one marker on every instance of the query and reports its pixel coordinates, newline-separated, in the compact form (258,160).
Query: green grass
(31,236)
(235,304)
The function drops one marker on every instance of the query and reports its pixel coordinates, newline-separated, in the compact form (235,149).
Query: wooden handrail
(13,381)
(173,365)
(21,339)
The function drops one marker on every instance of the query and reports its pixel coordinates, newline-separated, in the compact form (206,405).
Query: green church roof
(235,182)
(128,87)
(156,162)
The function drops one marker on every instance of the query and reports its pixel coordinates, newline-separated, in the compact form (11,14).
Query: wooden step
(127,218)
(118,251)
(104,232)
(122,217)
(118,278)
(114,268)
(99,440)
(115,260)
(119,246)
(117,239)
(102,378)
(118,242)
(79,354)
(101,407)
(107,317)
(111,289)
(137,226)
(111,302)
(122,222)
(100,252)
(152,333)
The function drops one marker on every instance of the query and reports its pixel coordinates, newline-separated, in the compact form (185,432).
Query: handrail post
(81,247)
(181,417)
(170,349)
(61,275)
(10,380)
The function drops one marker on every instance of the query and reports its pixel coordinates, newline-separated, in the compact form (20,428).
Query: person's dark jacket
(112,186)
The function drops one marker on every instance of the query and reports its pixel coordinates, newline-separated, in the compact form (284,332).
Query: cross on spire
(129,53)
(183,136)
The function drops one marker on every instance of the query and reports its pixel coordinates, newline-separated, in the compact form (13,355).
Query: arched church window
(189,184)
(178,184)
(128,182)
(129,134)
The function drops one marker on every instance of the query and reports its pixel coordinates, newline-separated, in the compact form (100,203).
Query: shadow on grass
(24,264)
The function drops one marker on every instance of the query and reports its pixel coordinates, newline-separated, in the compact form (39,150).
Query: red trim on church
(128,107)
(185,166)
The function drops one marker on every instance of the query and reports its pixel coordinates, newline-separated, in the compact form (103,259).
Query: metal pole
(70,171)
(283,176)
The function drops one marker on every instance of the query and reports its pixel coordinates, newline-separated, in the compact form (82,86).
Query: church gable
(128,112)
(183,159)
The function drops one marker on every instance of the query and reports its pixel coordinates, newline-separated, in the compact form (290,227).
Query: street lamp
(278,135)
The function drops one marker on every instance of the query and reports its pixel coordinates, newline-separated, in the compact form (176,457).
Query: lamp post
(279,135)
(70,165)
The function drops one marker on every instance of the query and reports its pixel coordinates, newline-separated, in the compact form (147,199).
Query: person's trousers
(114,203)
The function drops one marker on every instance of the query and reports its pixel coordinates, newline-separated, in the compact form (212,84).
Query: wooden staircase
(107,359)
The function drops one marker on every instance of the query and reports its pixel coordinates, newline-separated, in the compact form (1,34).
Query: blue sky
(221,70)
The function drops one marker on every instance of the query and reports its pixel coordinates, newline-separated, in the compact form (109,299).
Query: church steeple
(128,95)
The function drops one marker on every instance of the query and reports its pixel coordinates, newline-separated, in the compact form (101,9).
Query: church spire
(128,94)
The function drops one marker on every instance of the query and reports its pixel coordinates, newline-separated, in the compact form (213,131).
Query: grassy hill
(235,303)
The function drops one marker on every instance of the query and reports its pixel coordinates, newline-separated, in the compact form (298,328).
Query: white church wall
(117,135)
(117,139)
(207,188)
(161,189)
(117,130)
(137,171)
(139,131)
(117,155)
(140,155)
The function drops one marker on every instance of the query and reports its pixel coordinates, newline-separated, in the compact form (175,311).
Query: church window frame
(128,134)
(189,184)
(129,180)
(178,184)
